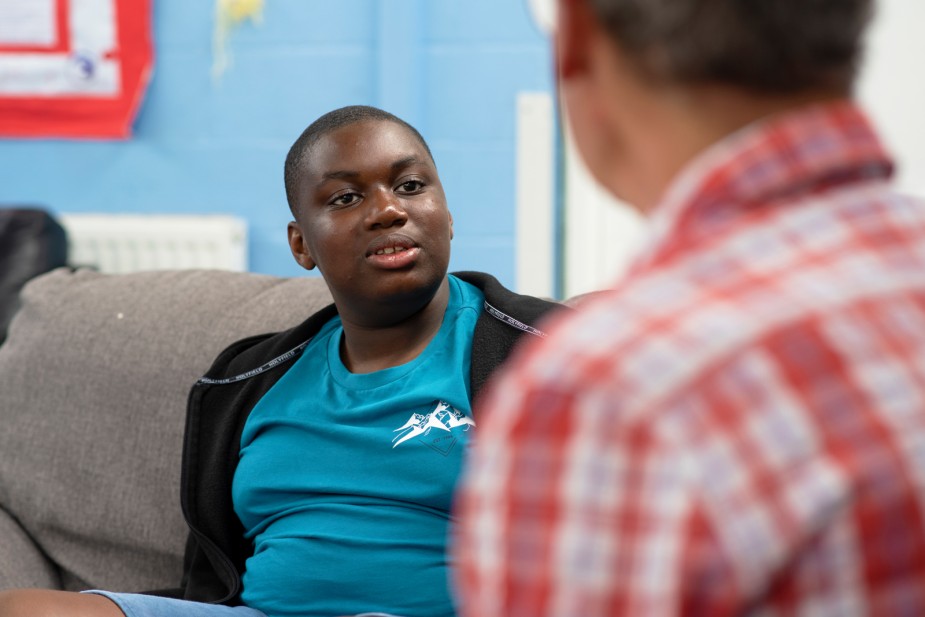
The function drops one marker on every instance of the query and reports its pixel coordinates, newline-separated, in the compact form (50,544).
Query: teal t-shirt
(345,481)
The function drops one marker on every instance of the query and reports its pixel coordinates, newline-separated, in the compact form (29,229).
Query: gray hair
(767,46)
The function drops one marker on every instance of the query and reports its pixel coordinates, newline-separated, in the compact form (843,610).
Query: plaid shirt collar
(785,157)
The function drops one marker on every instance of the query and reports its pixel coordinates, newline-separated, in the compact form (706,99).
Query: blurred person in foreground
(739,426)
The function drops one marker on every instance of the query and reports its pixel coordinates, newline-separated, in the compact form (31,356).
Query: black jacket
(220,402)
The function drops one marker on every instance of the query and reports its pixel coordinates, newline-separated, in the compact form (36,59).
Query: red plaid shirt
(739,427)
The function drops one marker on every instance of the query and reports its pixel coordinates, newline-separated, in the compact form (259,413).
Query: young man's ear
(299,247)
(451,225)
(575,23)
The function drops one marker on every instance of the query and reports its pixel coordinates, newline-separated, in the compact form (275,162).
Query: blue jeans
(140,605)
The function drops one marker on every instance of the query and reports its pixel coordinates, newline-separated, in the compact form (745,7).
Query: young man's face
(372,216)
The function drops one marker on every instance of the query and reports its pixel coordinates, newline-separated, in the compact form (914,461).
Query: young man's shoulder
(262,351)
(496,293)
(257,353)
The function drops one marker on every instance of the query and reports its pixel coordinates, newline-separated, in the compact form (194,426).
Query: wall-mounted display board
(73,68)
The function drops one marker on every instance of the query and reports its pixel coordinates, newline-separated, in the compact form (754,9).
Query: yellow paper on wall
(228,15)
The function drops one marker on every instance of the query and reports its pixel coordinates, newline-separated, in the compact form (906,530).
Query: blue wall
(452,68)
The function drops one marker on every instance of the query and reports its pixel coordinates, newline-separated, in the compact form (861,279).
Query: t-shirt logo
(444,417)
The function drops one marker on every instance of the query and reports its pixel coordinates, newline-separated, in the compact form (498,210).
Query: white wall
(601,234)
(892,86)
(536,163)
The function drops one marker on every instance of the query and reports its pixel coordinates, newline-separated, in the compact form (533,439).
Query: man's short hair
(331,121)
(764,46)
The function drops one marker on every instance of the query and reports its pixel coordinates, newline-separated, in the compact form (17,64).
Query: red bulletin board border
(91,116)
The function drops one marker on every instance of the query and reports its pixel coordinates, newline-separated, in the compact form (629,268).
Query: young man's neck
(367,348)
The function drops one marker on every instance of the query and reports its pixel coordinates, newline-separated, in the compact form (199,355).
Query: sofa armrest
(94,380)
(22,564)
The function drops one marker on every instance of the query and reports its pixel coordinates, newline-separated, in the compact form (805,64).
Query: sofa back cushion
(94,378)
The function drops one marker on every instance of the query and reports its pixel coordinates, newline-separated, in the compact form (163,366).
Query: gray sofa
(93,383)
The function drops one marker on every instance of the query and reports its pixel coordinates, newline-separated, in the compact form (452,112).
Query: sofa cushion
(94,378)
(22,564)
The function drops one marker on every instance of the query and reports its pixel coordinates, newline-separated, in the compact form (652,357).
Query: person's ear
(299,247)
(575,24)
(451,224)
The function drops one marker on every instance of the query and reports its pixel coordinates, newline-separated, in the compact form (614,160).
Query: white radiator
(116,243)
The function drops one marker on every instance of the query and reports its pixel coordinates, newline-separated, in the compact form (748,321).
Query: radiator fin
(118,243)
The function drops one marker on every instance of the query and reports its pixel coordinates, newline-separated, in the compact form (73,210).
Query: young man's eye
(345,199)
(410,186)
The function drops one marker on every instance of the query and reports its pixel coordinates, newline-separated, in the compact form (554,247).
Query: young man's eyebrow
(404,162)
(342,174)
(338,175)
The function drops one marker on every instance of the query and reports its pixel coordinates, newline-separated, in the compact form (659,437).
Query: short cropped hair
(332,121)
(763,46)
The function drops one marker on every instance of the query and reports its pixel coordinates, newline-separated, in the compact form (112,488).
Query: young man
(320,462)
(739,426)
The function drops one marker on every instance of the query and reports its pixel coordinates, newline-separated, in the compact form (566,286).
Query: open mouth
(389,250)
(390,244)
(393,251)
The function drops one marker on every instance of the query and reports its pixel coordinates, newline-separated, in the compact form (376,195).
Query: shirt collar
(778,159)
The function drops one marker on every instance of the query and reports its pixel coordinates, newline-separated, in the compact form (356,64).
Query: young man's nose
(385,209)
